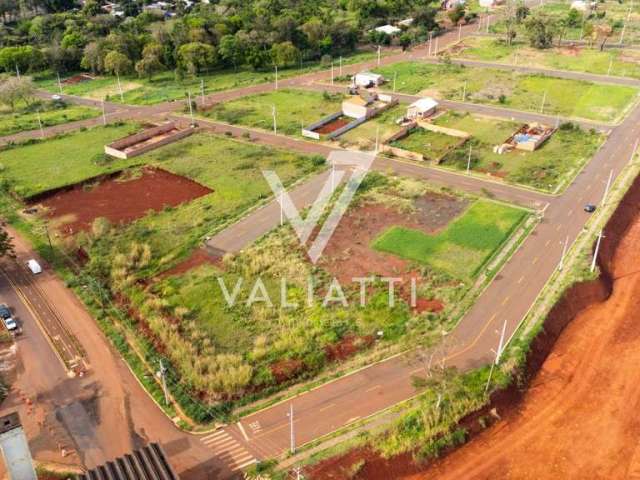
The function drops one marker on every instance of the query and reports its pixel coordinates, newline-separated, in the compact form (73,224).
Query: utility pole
(291,431)
(610,66)
(104,116)
(606,190)
(40,125)
(340,68)
(59,82)
(379,52)
(163,377)
(595,254)
(377,138)
(331,73)
(275,124)
(120,87)
(430,41)
(46,229)
(624,24)
(435,53)
(469,161)
(459,32)
(544,100)
(281,207)
(202,91)
(17,71)
(501,343)
(488,22)
(464,92)
(564,253)
(190,107)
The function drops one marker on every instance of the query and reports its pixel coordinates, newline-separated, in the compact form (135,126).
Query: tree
(195,57)
(522,12)
(150,62)
(17,57)
(117,63)
(13,90)
(93,57)
(232,50)
(601,33)
(6,246)
(456,14)
(405,40)
(540,30)
(284,53)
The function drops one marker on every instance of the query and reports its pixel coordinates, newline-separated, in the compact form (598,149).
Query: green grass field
(567,98)
(25,118)
(463,247)
(555,162)
(432,145)
(31,169)
(383,126)
(294,109)
(616,62)
(166,86)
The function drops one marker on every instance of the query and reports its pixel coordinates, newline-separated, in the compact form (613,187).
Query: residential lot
(24,117)
(547,168)
(616,62)
(293,110)
(165,86)
(535,93)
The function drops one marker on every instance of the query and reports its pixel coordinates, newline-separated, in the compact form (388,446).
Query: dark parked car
(589,208)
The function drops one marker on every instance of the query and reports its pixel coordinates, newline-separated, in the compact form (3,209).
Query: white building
(388,29)
(489,3)
(368,79)
(579,5)
(423,108)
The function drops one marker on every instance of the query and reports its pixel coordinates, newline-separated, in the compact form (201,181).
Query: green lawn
(166,86)
(383,126)
(463,247)
(31,169)
(555,162)
(432,145)
(25,117)
(617,62)
(294,109)
(567,98)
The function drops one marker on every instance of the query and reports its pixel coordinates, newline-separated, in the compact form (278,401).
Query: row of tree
(229,33)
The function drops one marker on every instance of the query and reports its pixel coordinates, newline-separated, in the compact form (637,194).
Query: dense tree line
(227,33)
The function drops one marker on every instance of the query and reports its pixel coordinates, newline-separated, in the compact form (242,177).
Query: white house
(388,29)
(489,3)
(356,107)
(407,22)
(579,5)
(423,108)
(368,79)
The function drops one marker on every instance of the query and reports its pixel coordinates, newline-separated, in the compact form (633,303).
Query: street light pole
(564,253)
(469,161)
(163,377)
(275,124)
(291,431)
(595,254)
(606,190)
(104,116)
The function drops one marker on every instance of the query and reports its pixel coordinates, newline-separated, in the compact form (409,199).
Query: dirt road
(580,418)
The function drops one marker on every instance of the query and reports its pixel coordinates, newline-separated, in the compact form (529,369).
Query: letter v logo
(358,163)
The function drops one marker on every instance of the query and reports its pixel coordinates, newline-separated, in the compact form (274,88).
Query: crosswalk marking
(229,450)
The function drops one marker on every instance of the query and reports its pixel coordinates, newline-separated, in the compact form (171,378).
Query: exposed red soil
(333,125)
(197,258)
(349,253)
(118,199)
(424,305)
(284,370)
(578,418)
(347,347)
(77,79)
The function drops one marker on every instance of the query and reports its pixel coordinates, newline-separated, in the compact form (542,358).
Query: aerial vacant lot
(293,108)
(165,86)
(616,62)
(25,117)
(547,168)
(567,98)
(463,247)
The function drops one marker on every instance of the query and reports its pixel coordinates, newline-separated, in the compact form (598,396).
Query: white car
(34,266)
(56,97)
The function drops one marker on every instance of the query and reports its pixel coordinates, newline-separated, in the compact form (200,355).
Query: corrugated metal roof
(148,463)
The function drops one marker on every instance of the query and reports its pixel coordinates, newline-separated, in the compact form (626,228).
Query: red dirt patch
(347,347)
(424,305)
(119,200)
(284,370)
(333,125)
(349,253)
(197,258)
(77,79)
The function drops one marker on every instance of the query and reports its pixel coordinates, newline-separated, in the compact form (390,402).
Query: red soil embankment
(578,417)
